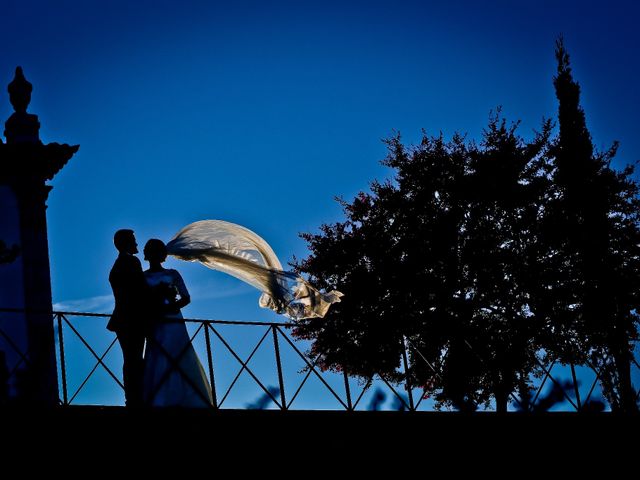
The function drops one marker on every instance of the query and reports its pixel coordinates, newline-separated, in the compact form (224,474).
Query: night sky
(261,114)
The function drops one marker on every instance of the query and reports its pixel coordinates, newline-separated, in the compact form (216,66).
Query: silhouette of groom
(129,316)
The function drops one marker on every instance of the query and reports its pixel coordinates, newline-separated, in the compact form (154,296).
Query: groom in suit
(129,316)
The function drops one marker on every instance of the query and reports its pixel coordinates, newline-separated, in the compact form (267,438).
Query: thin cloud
(105,303)
(97,304)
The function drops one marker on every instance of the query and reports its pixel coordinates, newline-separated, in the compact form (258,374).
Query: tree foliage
(437,258)
(485,260)
(593,250)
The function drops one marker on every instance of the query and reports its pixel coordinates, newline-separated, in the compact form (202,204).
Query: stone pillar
(27,338)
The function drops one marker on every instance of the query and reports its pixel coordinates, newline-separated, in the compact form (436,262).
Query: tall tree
(593,261)
(481,258)
(508,182)
(430,189)
(437,258)
(396,259)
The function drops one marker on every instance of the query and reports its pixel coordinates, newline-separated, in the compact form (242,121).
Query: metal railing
(285,394)
(210,330)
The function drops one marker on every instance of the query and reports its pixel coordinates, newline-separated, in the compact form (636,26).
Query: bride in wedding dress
(173,374)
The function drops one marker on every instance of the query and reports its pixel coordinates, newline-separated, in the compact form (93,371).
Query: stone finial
(21,127)
(20,91)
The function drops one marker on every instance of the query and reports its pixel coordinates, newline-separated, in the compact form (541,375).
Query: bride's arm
(185,298)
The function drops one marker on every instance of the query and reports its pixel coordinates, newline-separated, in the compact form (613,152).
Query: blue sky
(260,113)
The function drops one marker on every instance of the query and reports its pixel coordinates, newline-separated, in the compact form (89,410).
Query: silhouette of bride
(173,374)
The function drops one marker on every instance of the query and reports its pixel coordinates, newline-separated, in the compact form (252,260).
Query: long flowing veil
(238,251)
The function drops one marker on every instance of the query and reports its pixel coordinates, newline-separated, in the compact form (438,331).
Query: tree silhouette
(264,400)
(437,258)
(427,290)
(593,259)
(377,400)
(506,196)
(482,258)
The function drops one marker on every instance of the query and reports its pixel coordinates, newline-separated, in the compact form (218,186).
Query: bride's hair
(155,249)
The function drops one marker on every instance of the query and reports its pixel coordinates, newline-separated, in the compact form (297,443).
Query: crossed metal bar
(208,326)
(281,403)
(277,332)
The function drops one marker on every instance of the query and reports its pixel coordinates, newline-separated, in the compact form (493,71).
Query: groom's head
(125,241)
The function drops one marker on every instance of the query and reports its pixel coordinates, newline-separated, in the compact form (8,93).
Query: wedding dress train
(173,374)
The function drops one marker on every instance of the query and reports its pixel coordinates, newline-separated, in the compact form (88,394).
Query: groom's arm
(135,289)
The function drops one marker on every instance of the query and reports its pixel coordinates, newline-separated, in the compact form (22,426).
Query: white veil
(238,251)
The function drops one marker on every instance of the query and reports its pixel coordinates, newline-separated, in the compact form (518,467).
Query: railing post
(210,362)
(347,390)
(276,347)
(407,385)
(575,387)
(63,366)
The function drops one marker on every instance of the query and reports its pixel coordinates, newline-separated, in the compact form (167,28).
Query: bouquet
(164,298)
